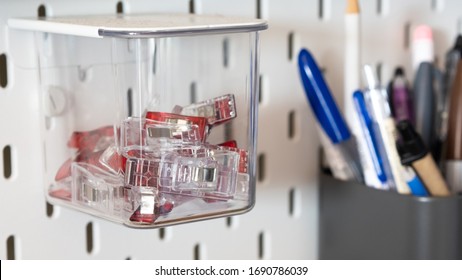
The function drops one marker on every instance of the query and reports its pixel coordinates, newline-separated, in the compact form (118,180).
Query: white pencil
(352,55)
(352,83)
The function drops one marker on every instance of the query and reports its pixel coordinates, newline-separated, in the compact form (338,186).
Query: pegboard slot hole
(230,222)
(324,7)
(259,9)
(261,88)
(383,7)
(291,124)
(226,53)
(321,9)
(120,8)
(165,233)
(130,102)
(3,71)
(290,46)
(228,131)
(379,71)
(291,201)
(294,202)
(261,169)
(262,248)
(10,248)
(154,61)
(437,5)
(407,35)
(49,122)
(42,11)
(89,237)
(83,73)
(7,162)
(192,8)
(49,210)
(193,92)
(197,252)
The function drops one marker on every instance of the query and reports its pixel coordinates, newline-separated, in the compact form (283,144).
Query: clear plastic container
(149,120)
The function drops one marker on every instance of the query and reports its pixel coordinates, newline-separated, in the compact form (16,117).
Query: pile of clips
(151,166)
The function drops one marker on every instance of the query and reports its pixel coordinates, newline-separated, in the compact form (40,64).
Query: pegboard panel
(284,222)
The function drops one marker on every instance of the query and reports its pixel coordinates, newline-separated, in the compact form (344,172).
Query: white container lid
(139,26)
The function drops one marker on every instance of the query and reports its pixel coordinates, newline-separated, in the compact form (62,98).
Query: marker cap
(321,99)
(412,147)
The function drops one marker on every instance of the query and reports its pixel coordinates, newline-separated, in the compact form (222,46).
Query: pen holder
(148,120)
(358,222)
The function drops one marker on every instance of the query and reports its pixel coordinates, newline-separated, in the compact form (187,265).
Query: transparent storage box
(149,120)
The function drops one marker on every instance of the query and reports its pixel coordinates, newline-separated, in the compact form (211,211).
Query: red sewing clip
(151,205)
(113,163)
(171,118)
(243,154)
(92,140)
(217,110)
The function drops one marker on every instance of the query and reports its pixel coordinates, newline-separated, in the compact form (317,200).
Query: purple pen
(400,98)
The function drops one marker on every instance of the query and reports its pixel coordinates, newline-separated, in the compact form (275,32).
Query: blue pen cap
(321,99)
(358,97)
(370,135)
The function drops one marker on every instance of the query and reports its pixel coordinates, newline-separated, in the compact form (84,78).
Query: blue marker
(367,127)
(328,115)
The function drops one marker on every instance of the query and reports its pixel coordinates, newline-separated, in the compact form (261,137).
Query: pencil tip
(352,7)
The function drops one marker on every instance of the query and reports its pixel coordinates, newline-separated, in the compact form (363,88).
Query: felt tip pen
(368,134)
(327,113)
(424,102)
(413,152)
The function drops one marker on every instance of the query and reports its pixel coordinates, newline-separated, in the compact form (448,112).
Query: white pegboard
(275,228)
